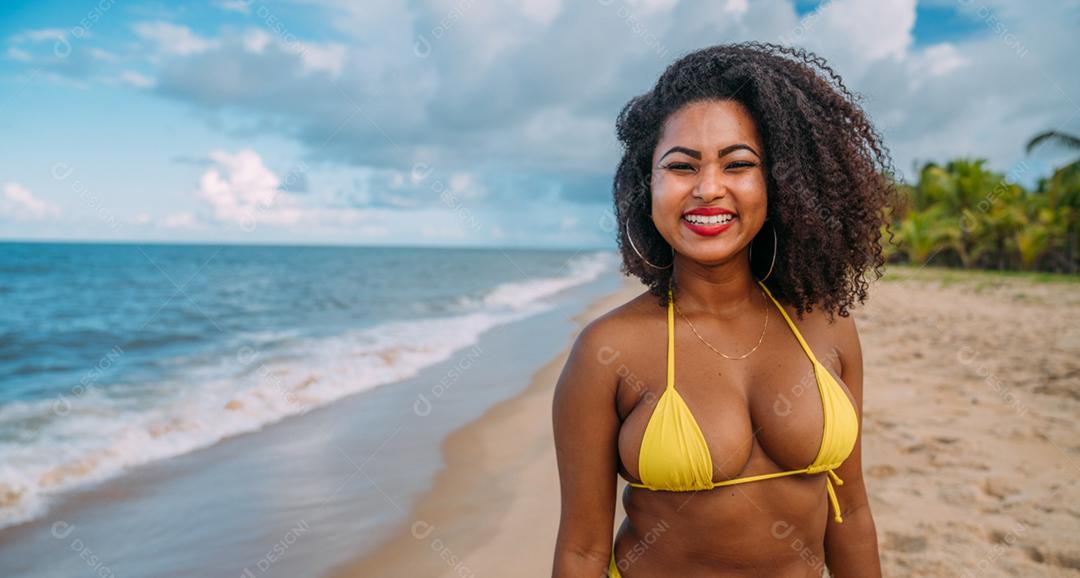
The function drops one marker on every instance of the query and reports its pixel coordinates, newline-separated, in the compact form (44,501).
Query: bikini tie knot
(820,468)
(829,479)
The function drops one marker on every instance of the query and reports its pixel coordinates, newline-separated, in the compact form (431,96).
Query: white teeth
(709,220)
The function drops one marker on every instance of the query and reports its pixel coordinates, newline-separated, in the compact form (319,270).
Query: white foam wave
(65,443)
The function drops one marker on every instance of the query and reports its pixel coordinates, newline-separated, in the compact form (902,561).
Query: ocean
(116,355)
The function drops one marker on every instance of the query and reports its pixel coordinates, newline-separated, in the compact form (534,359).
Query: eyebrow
(697,154)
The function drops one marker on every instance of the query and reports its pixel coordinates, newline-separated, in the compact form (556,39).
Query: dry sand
(971,447)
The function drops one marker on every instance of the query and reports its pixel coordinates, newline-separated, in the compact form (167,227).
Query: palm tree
(1034,238)
(925,233)
(1062,138)
(1061,195)
(997,221)
(966,191)
(975,217)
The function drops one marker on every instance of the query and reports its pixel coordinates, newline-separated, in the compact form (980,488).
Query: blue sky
(457,123)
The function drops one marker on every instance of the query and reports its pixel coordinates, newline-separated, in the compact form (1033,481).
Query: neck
(723,291)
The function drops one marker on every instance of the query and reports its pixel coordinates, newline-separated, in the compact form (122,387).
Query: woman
(751,198)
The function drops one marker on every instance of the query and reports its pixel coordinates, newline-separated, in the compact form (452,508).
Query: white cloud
(20,203)
(464,186)
(19,54)
(938,60)
(533,88)
(397,179)
(444,231)
(256,40)
(242,190)
(39,35)
(100,54)
(173,38)
(854,34)
(329,57)
(136,79)
(235,6)
(179,220)
(541,11)
(737,7)
(647,7)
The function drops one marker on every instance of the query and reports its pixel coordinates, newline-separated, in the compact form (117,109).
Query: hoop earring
(634,247)
(773,263)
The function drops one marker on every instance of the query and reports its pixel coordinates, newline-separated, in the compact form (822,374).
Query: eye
(740,164)
(679,166)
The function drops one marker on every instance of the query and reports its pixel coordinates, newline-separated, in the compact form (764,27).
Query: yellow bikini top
(674,456)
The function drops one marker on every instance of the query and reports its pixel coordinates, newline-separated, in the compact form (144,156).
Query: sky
(456,122)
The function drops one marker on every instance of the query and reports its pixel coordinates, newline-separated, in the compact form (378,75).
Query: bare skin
(759,414)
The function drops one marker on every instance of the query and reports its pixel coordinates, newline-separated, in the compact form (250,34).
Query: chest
(766,407)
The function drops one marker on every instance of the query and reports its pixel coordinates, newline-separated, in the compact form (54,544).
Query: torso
(758,415)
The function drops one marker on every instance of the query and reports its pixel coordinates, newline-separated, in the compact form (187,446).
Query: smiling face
(708,185)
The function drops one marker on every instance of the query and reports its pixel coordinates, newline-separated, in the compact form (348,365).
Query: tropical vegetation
(961,214)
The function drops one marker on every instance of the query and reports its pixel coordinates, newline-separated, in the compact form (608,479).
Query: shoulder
(590,378)
(617,334)
(837,336)
(842,335)
(840,329)
(620,327)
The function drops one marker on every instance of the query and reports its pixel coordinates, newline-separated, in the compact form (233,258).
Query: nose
(710,183)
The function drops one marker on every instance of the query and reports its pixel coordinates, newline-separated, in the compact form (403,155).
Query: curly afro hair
(829,177)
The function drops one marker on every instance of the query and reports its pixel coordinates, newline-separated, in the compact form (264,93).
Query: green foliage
(962,215)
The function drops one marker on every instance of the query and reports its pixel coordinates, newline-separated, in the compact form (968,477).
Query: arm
(851,548)
(586,429)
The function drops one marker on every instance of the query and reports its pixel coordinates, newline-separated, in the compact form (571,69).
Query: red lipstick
(709,225)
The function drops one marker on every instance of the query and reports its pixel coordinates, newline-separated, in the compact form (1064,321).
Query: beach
(971,446)
(278,417)
(365,430)
(287,288)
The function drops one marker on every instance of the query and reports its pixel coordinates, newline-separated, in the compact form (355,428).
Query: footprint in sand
(1037,554)
(999,488)
(1070,560)
(905,543)
(881,471)
(960,496)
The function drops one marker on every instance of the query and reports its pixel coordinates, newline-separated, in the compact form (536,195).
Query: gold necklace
(744,356)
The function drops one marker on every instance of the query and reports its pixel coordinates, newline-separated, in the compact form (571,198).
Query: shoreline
(346,473)
(498,467)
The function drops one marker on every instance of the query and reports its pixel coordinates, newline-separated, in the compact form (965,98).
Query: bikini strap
(791,324)
(670,340)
